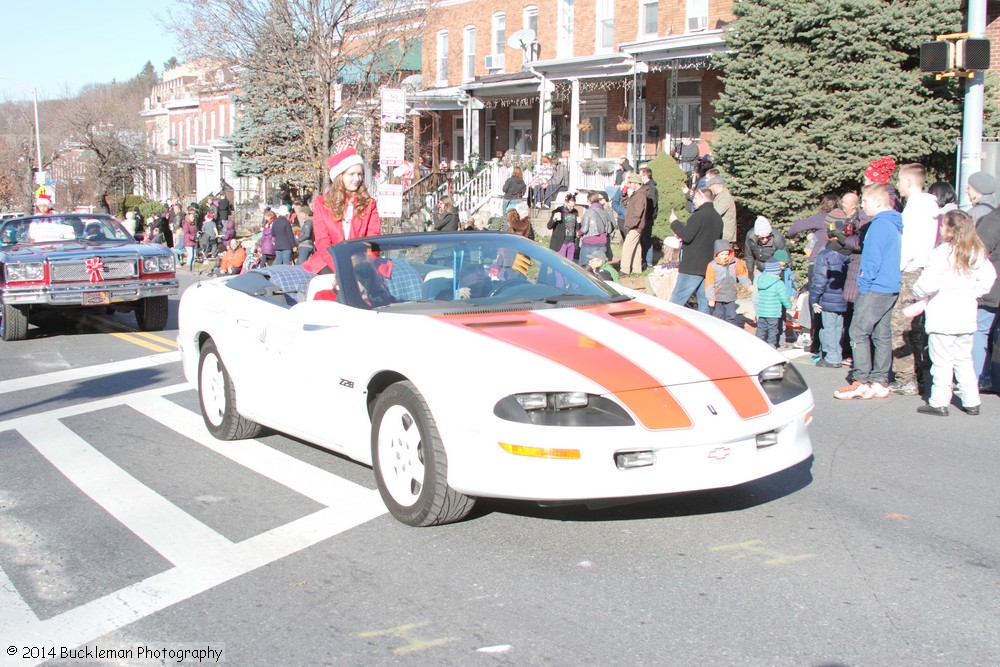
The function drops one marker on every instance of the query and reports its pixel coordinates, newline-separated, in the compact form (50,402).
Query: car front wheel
(13,322)
(217,397)
(410,464)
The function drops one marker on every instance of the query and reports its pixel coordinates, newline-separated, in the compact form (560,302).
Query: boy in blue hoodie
(770,295)
(878,288)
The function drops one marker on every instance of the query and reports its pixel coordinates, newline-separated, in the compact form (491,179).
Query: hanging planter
(584,126)
(624,124)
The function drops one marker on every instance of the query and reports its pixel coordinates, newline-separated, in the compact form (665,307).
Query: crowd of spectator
(900,288)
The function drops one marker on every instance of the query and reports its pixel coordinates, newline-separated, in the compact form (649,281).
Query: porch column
(472,129)
(545,89)
(574,136)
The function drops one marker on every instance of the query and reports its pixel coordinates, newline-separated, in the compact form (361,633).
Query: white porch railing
(471,193)
(590,180)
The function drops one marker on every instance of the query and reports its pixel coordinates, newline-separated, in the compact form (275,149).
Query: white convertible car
(473,364)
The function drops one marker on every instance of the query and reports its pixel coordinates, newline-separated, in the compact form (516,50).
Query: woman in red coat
(346,211)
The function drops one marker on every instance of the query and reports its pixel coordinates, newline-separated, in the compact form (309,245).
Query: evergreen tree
(815,89)
(272,138)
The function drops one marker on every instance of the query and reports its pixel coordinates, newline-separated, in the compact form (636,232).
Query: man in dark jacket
(699,235)
(284,238)
(223,207)
(652,210)
(988,229)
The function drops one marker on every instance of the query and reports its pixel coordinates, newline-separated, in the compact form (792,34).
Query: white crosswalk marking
(202,558)
(176,535)
(55,377)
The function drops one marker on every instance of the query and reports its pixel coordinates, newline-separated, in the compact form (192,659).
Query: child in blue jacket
(770,295)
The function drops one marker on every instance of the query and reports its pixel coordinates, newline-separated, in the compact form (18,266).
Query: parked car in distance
(80,261)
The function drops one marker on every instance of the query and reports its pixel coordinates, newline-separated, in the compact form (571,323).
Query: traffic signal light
(955,55)
(972,54)
(936,57)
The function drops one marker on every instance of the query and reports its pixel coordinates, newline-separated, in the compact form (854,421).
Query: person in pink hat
(346,211)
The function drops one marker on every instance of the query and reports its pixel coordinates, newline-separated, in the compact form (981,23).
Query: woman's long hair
(335,200)
(960,232)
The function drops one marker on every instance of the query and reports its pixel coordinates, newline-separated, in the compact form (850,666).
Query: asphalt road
(123,525)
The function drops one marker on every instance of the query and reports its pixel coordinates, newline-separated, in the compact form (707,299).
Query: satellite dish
(522,39)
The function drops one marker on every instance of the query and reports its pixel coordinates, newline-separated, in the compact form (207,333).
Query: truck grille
(76,271)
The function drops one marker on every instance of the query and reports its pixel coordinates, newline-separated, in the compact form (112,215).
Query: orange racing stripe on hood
(696,348)
(640,392)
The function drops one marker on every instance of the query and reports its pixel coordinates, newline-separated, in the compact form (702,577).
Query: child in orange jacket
(721,276)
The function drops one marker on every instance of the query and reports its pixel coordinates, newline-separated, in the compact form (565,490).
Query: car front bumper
(681,462)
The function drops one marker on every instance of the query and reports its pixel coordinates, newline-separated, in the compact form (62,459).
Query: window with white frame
(605,25)
(697,15)
(469,53)
(649,16)
(442,57)
(499,34)
(564,43)
(531,18)
(530,22)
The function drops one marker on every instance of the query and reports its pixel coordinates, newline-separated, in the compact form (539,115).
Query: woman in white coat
(957,274)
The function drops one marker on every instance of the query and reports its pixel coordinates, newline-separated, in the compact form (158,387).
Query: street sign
(393,105)
(391,149)
(390,200)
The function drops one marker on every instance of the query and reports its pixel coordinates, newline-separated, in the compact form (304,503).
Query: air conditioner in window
(697,23)
(495,61)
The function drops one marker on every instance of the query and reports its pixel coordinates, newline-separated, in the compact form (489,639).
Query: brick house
(565,75)
(189,116)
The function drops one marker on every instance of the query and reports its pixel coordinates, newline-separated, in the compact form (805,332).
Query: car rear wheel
(409,460)
(13,322)
(151,313)
(217,397)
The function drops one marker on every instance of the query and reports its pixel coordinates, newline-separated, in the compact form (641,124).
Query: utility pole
(972,121)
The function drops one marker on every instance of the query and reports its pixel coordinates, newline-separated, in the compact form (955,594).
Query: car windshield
(461,271)
(62,228)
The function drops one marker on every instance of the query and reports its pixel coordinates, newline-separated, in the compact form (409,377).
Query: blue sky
(57,44)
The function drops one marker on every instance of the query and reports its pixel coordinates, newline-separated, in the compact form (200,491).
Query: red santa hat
(342,161)
(880,170)
(44,199)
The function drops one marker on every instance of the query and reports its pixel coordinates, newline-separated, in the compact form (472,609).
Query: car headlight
(553,401)
(569,408)
(772,373)
(782,382)
(24,271)
(158,264)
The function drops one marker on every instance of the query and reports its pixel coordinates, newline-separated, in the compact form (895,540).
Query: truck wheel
(151,313)
(13,322)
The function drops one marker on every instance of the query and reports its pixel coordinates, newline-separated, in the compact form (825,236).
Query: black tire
(217,399)
(151,313)
(13,322)
(409,461)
